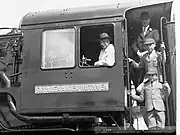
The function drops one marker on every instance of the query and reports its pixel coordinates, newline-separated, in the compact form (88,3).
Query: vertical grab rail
(164,70)
(128,76)
(162,40)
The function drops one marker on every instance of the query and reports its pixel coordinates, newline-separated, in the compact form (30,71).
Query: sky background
(12,11)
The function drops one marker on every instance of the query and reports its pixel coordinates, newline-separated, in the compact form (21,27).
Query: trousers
(156,119)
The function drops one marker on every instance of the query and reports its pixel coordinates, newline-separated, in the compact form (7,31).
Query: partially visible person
(153,93)
(107,54)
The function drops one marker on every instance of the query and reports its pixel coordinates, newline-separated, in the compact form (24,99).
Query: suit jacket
(152,95)
(151,33)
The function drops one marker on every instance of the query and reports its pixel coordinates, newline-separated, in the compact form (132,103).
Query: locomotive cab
(57,82)
(54,78)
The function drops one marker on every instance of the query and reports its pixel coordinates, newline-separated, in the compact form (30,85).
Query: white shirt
(107,56)
(145,30)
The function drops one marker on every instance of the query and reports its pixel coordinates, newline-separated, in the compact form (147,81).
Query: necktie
(152,84)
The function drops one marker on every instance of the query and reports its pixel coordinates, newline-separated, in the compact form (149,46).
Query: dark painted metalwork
(74,14)
(30,108)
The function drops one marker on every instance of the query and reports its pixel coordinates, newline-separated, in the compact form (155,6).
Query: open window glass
(58,48)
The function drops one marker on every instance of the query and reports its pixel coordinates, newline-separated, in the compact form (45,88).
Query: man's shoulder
(110,47)
(153,30)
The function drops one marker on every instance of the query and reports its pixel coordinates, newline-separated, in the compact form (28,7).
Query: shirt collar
(146,28)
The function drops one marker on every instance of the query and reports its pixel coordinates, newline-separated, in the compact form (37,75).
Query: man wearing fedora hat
(138,47)
(107,54)
(147,32)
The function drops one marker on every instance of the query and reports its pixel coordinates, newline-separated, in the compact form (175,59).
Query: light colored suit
(153,94)
(153,97)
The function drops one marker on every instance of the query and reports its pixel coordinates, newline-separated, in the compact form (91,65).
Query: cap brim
(148,43)
(106,38)
(151,73)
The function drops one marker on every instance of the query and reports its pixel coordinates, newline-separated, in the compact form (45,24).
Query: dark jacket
(151,33)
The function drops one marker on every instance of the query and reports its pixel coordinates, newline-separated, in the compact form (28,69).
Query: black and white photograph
(106,66)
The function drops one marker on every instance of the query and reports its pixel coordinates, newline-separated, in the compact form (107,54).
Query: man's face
(149,47)
(145,22)
(104,43)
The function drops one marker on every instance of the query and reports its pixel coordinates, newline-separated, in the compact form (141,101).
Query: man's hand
(129,92)
(139,54)
(166,86)
(98,63)
(162,45)
(130,60)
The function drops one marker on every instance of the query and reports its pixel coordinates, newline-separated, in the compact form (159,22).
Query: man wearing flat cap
(107,54)
(152,59)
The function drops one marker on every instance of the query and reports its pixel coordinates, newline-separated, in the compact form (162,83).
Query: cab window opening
(90,43)
(137,37)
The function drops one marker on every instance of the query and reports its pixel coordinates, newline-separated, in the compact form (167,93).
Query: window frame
(95,24)
(75,37)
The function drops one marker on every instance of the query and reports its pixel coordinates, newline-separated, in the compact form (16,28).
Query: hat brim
(148,43)
(106,38)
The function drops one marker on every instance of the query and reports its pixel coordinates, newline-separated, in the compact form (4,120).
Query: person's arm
(160,57)
(109,58)
(163,53)
(136,49)
(137,65)
(167,88)
(139,98)
(140,89)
